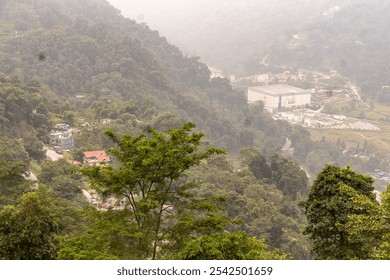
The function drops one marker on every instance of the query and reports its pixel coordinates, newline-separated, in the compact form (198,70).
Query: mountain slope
(86,48)
(75,39)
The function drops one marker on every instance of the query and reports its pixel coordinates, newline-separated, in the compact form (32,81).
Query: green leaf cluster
(61,178)
(228,246)
(345,221)
(28,229)
(12,183)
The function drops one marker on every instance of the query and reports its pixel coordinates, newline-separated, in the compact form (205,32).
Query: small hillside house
(61,137)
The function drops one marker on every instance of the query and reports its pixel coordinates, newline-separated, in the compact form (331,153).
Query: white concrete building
(279,96)
(215,73)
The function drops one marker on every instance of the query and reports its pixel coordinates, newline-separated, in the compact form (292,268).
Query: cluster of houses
(269,78)
(287,76)
(61,139)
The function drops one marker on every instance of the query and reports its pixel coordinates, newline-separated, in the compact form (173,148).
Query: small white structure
(340,117)
(264,78)
(215,73)
(279,96)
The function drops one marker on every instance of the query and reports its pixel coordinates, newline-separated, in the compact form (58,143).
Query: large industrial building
(279,96)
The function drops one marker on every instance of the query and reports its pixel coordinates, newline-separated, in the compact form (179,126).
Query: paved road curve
(53,155)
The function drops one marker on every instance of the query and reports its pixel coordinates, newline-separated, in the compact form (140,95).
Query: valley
(117,144)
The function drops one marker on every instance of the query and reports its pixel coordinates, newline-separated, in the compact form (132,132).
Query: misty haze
(194,130)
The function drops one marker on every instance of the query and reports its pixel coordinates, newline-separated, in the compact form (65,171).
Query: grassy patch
(379,140)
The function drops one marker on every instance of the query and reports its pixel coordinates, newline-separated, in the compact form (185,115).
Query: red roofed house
(93,158)
(76,163)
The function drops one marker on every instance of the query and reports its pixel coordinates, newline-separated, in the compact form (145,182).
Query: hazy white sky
(204,27)
(148,10)
(156,11)
(168,17)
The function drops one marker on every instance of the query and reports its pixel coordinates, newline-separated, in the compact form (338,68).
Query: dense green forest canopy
(23,116)
(87,56)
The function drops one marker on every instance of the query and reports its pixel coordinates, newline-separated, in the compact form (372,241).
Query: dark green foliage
(12,183)
(77,57)
(61,178)
(23,115)
(12,150)
(343,216)
(287,175)
(31,228)
(257,163)
(196,215)
(110,235)
(28,229)
(255,207)
(383,252)
(227,246)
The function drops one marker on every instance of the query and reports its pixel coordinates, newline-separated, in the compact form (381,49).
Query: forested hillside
(86,57)
(24,120)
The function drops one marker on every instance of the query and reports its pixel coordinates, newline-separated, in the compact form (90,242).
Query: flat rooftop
(279,89)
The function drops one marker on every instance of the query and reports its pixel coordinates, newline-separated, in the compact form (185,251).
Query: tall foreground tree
(344,219)
(383,251)
(28,229)
(149,175)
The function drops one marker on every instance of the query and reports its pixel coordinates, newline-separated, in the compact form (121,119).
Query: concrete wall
(271,102)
